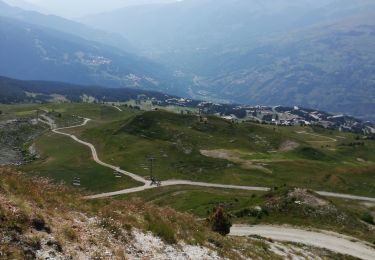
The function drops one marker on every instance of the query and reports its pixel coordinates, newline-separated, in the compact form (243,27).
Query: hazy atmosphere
(191,129)
(80,8)
(317,53)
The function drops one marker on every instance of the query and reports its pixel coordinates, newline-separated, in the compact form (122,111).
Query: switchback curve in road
(147,184)
(95,154)
(117,108)
(323,239)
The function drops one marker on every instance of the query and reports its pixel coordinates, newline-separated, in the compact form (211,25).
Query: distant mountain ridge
(201,24)
(72,9)
(34,52)
(332,70)
(316,54)
(66,26)
(275,52)
(14,91)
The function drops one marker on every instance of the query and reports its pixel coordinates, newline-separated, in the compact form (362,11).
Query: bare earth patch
(288,146)
(235,157)
(305,197)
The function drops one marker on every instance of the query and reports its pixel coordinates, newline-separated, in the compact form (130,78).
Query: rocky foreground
(41,220)
(16,140)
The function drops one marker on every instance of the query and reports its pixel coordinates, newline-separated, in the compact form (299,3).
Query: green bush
(367,217)
(220,221)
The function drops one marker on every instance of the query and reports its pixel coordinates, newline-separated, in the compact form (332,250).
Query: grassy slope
(63,159)
(70,219)
(128,138)
(195,200)
(94,111)
(17,111)
(175,141)
(321,164)
(66,159)
(201,202)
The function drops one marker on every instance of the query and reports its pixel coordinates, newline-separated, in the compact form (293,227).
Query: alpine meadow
(187,129)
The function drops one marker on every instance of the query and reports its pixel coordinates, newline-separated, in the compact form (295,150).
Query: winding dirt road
(117,108)
(175,183)
(95,154)
(147,184)
(329,240)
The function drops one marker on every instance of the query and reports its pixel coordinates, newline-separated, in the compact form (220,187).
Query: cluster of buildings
(290,116)
(279,115)
(173,101)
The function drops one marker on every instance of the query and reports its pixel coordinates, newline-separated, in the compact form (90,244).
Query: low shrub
(38,223)
(69,233)
(220,221)
(160,228)
(112,226)
(368,218)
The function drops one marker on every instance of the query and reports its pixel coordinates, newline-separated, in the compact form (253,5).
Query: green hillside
(41,218)
(62,159)
(215,150)
(276,207)
(208,149)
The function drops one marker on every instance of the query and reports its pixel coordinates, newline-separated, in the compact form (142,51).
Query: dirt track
(172,182)
(329,240)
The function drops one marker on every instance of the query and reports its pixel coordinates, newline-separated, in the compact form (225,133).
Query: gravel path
(147,184)
(175,183)
(117,108)
(95,154)
(329,240)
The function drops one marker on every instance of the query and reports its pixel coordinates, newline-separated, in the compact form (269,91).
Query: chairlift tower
(151,160)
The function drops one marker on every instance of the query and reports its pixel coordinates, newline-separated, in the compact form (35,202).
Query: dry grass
(38,217)
(79,226)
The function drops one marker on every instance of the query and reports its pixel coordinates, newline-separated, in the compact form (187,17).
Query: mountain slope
(73,9)
(196,25)
(17,91)
(32,52)
(201,24)
(40,220)
(64,25)
(25,5)
(330,69)
(311,53)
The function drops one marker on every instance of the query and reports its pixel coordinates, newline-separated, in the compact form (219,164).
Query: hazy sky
(79,8)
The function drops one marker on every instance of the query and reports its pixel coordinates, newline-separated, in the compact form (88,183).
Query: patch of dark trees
(13,91)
